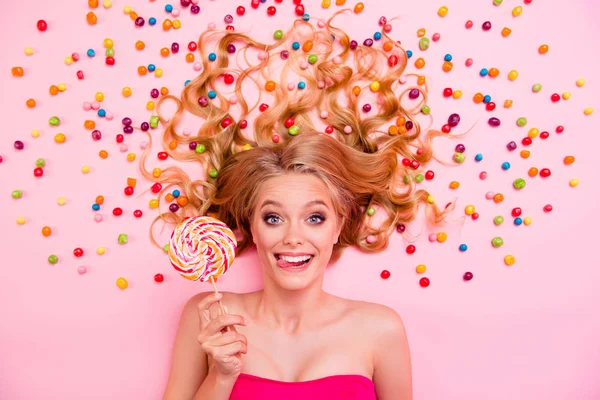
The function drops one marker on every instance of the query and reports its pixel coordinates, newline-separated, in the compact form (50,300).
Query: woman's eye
(272,219)
(319,218)
(269,219)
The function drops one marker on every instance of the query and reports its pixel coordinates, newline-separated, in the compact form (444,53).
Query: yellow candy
(588,111)
(509,260)
(421,268)
(28,51)
(533,132)
(122,283)
(430,199)
(442,236)
(99,96)
(326,3)
(443,10)
(61,201)
(107,4)
(131,157)
(35,133)
(68,60)
(62,87)
(60,138)
(470,209)
(512,75)
(150,105)
(153,203)
(574,182)
(126,91)
(580,82)
(108,43)
(457,94)
(127,9)
(176,24)
(100,251)
(85,169)
(527,221)
(375,85)
(158,72)
(517,11)
(566,95)
(156,172)
(21,220)
(246,147)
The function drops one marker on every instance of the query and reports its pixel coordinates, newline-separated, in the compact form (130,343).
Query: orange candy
(508,103)
(165,52)
(131,182)
(421,80)
(568,160)
(393,130)
(307,46)
(182,201)
(103,154)
(53,90)
(533,171)
(139,45)
(358,8)
(400,121)
(498,198)
(30,103)
(387,46)
(270,86)
(167,24)
(142,70)
(525,153)
(93,3)
(133,15)
(91,18)
(173,144)
(402,129)
(454,185)
(420,63)
(421,32)
(17,71)
(99,199)
(46,231)
(506,32)
(169,197)
(356,90)
(494,72)
(164,91)
(189,57)
(478,98)
(447,66)
(89,124)
(543,49)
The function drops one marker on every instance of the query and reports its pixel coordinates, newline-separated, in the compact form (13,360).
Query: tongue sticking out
(285,264)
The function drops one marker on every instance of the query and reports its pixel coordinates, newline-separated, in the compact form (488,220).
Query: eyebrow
(278,204)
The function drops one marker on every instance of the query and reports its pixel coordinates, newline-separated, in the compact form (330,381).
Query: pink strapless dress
(335,387)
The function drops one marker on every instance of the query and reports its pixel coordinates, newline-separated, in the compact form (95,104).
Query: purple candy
(175,48)
(126,121)
(353,44)
(401,228)
(145,126)
(231,48)
(193,145)
(453,120)
(19,145)
(185,3)
(128,129)
(228,19)
(284,54)
(367,108)
(174,207)
(368,42)
(460,148)
(494,121)
(203,101)
(413,94)
(139,21)
(511,146)
(487,25)
(408,125)
(96,134)
(195,9)
(154,93)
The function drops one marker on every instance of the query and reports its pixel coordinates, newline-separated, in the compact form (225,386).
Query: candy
(442,11)
(509,260)
(497,242)
(52,259)
(202,248)
(543,49)
(122,283)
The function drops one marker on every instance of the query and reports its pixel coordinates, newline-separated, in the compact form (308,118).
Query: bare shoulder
(381,318)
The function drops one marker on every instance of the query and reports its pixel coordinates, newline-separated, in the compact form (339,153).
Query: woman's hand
(226,348)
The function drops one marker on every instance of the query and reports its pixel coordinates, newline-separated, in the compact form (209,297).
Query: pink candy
(489,195)
(197,66)
(98,217)
(432,237)
(469,62)
(82,270)
(87,106)
(324,114)
(347,129)
(123,148)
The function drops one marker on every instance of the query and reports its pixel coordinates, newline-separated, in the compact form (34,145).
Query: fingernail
(218,295)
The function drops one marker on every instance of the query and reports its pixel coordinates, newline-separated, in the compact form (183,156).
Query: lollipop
(202,248)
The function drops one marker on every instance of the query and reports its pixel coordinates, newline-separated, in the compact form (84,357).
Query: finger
(227,338)
(231,327)
(204,308)
(229,350)
(217,324)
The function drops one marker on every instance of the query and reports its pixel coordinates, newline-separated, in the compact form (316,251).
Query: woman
(299,204)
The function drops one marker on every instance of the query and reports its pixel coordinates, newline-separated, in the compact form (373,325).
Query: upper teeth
(294,259)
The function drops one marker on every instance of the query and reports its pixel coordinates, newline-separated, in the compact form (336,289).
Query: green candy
(213,173)
(154,121)
(40,163)
(54,121)
(294,130)
(536,88)
(278,34)
(497,242)
(519,183)
(312,58)
(522,121)
(406,179)
(425,109)
(123,238)
(371,211)
(52,259)
(419,178)
(200,148)
(459,157)
(498,220)
(497,2)
(17,194)
(166,248)
(110,52)
(424,43)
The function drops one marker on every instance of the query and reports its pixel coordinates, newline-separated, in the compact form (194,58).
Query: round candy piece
(202,248)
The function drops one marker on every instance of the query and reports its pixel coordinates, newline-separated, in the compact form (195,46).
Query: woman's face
(294,217)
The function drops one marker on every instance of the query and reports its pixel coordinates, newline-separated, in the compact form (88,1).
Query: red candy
(128,191)
(516,212)
(38,172)
(243,124)
(547,208)
(78,252)
(255,3)
(424,282)
(410,249)
(42,25)
(271,10)
(138,213)
(475,216)
(110,61)
(429,175)
(555,97)
(385,274)
(299,10)
(415,164)
(405,162)
(120,138)
(228,78)
(117,211)
(163,155)
(192,46)
(545,172)
(289,122)
(157,187)
(80,75)
(263,107)
(329,129)
(226,122)
(446,128)
(544,135)
(240,11)
(560,129)
(490,106)
(448,92)
(526,141)
(159,278)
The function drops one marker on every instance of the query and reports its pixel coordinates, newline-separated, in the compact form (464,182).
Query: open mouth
(293,262)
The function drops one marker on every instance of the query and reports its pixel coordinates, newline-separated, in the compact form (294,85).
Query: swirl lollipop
(202,249)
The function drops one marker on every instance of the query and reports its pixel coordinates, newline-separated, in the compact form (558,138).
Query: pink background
(529,331)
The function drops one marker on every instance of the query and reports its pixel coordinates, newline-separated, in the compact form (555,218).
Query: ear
(339,231)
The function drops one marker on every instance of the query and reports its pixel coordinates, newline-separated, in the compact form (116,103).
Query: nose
(293,235)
